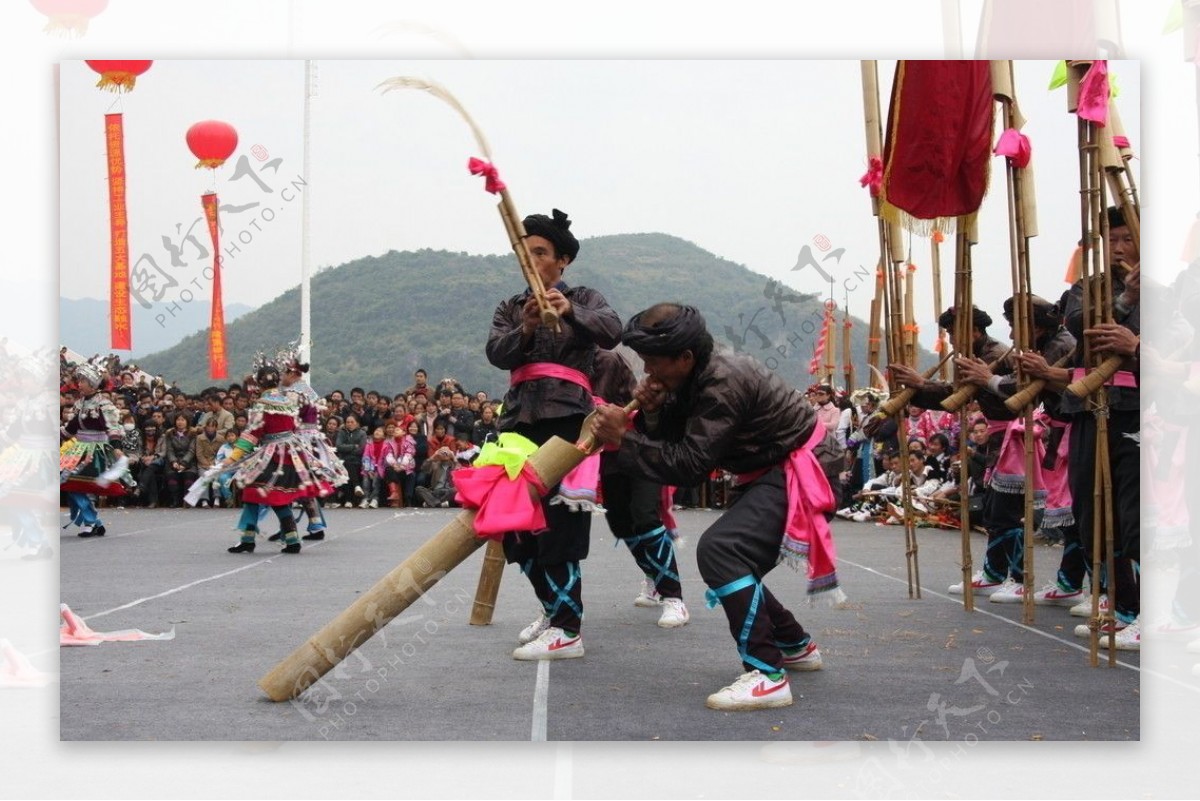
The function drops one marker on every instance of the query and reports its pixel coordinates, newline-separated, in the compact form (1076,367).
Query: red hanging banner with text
(118,227)
(216,333)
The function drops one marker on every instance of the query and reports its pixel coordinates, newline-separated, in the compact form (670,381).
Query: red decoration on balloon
(119,76)
(212,141)
(69,17)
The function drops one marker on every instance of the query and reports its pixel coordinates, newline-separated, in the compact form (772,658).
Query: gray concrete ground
(895,669)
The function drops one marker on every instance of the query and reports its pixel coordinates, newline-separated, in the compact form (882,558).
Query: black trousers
(632,508)
(741,548)
(550,559)
(1124,452)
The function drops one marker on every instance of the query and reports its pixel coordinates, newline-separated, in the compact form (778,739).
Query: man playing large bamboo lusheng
(704,408)
(550,394)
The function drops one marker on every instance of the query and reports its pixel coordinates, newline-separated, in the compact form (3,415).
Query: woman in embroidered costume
(273,466)
(91,462)
(324,460)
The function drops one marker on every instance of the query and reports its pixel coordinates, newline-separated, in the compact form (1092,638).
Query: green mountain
(379,318)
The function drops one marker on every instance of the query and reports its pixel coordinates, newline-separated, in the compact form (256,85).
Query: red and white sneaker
(1054,595)
(553,643)
(1128,638)
(980,585)
(1084,607)
(1082,630)
(1010,592)
(753,690)
(534,629)
(648,598)
(807,658)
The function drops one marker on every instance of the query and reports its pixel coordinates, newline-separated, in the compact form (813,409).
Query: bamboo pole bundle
(962,336)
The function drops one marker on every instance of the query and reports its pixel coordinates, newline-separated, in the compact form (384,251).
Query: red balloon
(212,141)
(117,76)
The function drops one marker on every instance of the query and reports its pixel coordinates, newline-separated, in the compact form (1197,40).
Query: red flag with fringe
(939,143)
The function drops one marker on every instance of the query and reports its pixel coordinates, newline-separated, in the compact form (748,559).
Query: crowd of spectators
(399,450)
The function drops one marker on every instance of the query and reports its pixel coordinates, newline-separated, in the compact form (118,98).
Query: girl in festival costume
(325,462)
(273,465)
(92,461)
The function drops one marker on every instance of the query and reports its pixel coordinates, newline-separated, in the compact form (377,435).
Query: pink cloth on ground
(73,631)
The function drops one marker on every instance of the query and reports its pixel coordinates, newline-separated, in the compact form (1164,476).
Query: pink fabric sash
(73,631)
(1009,473)
(501,505)
(1122,378)
(1094,92)
(1015,145)
(1058,487)
(533,370)
(807,536)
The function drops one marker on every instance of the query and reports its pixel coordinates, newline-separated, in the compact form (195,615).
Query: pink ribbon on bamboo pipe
(492,182)
(1015,145)
(873,177)
(1094,93)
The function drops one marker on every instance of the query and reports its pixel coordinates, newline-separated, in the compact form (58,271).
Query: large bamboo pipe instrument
(895,404)
(1022,310)
(410,580)
(1029,392)
(935,260)
(961,396)
(962,336)
(508,211)
(1097,308)
(890,301)
(847,353)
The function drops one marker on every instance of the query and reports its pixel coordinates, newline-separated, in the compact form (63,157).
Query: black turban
(1116,217)
(979,319)
(668,337)
(1045,313)
(556,230)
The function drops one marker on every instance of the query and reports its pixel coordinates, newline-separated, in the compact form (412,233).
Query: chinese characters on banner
(114,135)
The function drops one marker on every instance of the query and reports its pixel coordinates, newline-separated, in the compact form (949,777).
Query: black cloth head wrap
(1045,313)
(979,318)
(1116,217)
(668,337)
(556,230)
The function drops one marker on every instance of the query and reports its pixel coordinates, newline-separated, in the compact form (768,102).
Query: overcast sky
(748,159)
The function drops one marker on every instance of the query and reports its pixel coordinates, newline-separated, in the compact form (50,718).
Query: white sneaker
(1082,630)
(333,505)
(534,629)
(358,492)
(374,504)
(1010,592)
(553,643)
(364,503)
(648,598)
(845,513)
(753,690)
(860,517)
(1054,595)
(1128,638)
(674,613)
(807,658)
(980,585)
(1084,607)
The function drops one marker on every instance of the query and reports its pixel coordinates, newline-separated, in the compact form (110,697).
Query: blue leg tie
(658,566)
(713,597)
(562,595)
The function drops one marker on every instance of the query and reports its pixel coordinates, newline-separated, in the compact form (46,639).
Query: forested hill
(378,318)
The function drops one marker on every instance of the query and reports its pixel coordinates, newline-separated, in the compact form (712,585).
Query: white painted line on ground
(1039,632)
(197,582)
(540,692)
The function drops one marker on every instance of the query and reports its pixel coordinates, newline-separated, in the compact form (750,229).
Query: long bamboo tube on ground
(396,591)
(489,584)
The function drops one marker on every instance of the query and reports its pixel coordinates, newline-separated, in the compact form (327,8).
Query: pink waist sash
(535,370)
